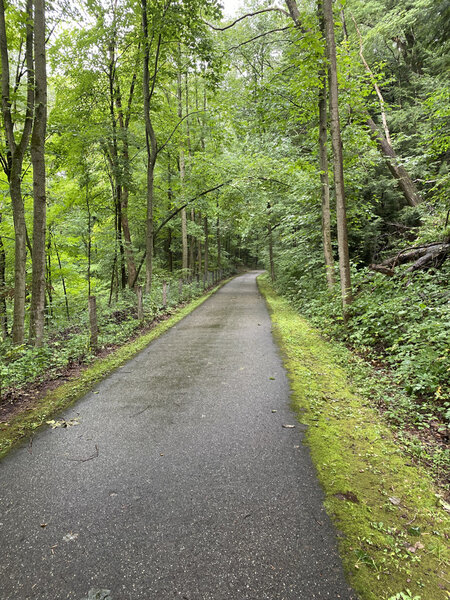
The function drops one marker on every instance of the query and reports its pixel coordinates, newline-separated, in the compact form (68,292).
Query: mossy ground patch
(393,531)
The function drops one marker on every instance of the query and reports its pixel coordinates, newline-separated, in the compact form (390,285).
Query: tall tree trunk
(20,256)
(123,273)
(124,122)
(169,250)
(270,236)
(16,152)
(3,313)
(271,262)
(192,246)
(191,238)
(325,187)
(37,314)
(293,11)
(151,144)
(324,179)
(219,244)
(199,247)
(63,281)
(89,240)
(49,282)
(184,240)
(206,249)
(129,254)
(338,162)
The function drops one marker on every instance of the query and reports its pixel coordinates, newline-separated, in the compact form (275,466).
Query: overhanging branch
(176,127)
(258,12)
(257,37)
(171,216)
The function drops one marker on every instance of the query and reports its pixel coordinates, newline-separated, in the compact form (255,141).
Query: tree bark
(219,243)
(206,250)
(89,240)
(192,246)
(199,248)
(49,282)
(184,240)
(37,314)
(124,121)
(63,281)
(324,179)
(16,152)
(3,313)
(338,162)
(399,172)
(271,263)
(151,145)
(93,325)
(293,11)
(420,255)
(325,187)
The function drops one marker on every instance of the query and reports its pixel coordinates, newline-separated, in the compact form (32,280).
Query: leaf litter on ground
(62,423)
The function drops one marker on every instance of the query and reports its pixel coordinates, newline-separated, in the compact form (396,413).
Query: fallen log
(436,255)
(422,257)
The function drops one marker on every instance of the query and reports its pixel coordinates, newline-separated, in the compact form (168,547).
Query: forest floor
(392,515)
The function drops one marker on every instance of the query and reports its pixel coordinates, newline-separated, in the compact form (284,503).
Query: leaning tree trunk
(338,162)
(398,171)
(38,161)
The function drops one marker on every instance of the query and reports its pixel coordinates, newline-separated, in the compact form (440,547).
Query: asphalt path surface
(179,480)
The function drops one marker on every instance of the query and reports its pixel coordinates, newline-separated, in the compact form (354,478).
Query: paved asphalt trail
(197,492)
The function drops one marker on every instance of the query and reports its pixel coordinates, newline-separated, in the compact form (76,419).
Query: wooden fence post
(140,303)
(93,322)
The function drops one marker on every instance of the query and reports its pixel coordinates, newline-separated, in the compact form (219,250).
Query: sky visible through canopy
(231,7)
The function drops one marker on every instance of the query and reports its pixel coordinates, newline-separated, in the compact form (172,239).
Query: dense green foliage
(233,115)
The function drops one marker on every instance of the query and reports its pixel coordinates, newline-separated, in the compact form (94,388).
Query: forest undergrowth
(399,326)
(393,521)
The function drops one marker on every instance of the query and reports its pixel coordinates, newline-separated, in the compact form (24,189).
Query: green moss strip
(25,423)
(393,530)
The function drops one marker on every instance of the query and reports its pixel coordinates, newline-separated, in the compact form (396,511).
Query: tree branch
(176,127)
(256,38)
(258,12)
(170,217)
(375,85)
(155,71)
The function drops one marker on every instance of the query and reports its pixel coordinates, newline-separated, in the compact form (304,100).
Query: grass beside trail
(25,423)
(393,530)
